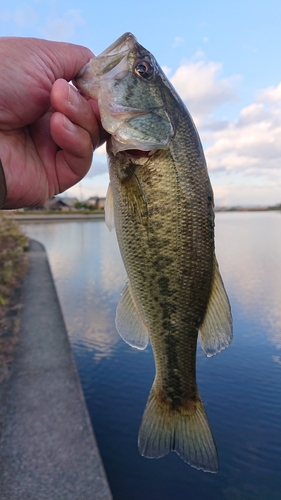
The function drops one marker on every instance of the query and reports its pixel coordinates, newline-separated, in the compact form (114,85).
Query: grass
(13,266)
(13,245)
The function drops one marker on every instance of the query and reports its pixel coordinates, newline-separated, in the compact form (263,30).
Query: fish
(161,203)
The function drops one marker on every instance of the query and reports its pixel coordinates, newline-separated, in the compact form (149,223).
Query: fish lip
(124,43)
(105,62)
(94,81)
(82,71)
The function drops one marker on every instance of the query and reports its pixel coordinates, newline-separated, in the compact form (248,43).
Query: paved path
(47,447)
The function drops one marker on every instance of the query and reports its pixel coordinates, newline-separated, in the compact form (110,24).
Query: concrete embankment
(47,449)
(63,217)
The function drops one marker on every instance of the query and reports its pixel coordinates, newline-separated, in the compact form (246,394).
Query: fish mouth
(124,43)
(110,79)
(114,147)
(110,63)
(138,153)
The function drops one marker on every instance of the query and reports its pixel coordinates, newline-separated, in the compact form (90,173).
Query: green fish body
(160,201)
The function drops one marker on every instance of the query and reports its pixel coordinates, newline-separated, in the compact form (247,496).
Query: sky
(223,58)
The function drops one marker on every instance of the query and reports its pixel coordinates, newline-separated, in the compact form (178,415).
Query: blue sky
(223,57)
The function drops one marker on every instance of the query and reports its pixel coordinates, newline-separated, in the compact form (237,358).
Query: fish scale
(161,203)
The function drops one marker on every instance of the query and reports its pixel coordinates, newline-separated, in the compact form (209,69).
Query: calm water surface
(241,387)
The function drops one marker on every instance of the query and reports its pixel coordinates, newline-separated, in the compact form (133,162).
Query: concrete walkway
(47,447)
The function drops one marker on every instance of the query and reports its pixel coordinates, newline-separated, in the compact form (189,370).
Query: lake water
(241,387)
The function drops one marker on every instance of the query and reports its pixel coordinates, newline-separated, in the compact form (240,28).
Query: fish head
(127,82)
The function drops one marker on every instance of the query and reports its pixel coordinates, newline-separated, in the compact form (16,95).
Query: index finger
(66,100)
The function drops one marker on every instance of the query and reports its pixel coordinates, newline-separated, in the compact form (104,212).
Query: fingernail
(73,96)
(68,125)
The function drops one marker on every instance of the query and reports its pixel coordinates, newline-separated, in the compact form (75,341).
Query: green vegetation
(85,206)
(13,244)
(13,265)
(275,207)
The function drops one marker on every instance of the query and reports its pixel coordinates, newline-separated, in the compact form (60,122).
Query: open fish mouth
(110,63)
(138,153)
(115,78)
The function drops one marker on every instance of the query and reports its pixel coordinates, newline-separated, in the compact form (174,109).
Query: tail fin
(187,432)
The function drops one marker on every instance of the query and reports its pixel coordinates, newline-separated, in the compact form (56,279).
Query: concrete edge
(48,448)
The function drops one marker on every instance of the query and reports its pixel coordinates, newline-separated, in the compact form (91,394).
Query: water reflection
(277,359)
(89,275)
(249,249)
(85,260)
(240,387)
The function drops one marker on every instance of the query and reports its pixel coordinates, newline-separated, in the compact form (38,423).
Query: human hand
(48,131)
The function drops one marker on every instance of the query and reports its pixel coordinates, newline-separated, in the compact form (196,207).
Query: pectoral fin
(215,332)
(109,209)
(129,321)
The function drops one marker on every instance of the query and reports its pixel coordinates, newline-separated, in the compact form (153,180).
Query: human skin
(48,131)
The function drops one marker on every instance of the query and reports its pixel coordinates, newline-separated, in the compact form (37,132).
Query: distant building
(95,201)
(57,203)
(68,200)
(101,202)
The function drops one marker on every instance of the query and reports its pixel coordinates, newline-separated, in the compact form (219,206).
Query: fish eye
(144,69)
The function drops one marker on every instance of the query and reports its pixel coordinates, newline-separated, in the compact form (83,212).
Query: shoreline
(48,449)
(75,217)
(55,217)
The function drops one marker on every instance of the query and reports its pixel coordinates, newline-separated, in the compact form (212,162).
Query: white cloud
(271,94)
(243,154)
(199,85)
(63,28)
(89,187)
(238,190)
(97,168)
(251,144)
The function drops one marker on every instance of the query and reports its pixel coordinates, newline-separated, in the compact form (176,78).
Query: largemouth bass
(161,202)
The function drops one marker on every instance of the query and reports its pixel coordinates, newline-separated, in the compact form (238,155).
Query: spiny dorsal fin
(129,321)
(109,209)
(215,332)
